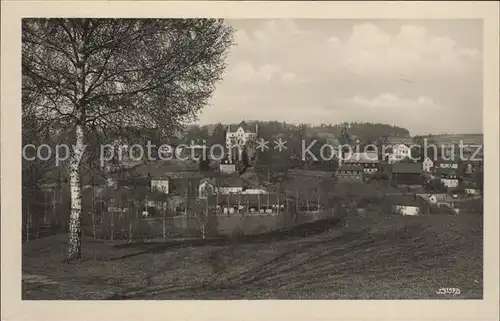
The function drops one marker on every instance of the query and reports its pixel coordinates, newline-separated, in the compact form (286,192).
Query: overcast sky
(423,75)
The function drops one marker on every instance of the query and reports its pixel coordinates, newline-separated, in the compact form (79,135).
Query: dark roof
(362,158)
(182,175)
(446,171)
(131,193)
(94,179)
(406,168)
(385,168)
(312,173)
(133,181)
(243,125)
(54,175)
(229,181)
(349,167)
(470,185)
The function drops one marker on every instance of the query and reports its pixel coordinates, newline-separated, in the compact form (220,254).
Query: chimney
(256,128)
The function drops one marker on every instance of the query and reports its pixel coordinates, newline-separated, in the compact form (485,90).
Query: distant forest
(366,132)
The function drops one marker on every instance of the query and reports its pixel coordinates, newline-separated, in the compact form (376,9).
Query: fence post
(131,219)
(28,223)
(164,227)
(112,236)
(38,226)
(44,207)
(103,206)
(54,214)
(60,211)
(93,212)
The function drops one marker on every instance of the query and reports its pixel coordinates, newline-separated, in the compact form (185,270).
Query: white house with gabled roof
(427,165)
(240,135)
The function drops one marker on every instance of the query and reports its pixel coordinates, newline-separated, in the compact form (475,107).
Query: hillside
(456,138)
(374,257)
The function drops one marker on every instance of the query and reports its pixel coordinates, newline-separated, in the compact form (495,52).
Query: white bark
(75,230)
(203,233)
(164,223)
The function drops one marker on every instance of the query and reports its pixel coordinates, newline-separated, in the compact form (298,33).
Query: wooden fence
(47,212)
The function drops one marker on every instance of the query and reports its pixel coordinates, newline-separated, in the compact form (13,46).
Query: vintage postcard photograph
(298,158)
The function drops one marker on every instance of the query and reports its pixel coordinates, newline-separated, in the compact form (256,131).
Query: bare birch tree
(113,75)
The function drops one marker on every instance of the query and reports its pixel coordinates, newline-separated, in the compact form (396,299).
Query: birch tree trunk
(102,75)
(75,216)
(164,222)
(203,232)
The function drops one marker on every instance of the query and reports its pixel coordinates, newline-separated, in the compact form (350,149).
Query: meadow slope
(375,257)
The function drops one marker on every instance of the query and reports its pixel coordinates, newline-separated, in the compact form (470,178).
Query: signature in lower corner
(452,291)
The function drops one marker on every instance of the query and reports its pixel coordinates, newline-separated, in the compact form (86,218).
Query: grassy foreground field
(374,257)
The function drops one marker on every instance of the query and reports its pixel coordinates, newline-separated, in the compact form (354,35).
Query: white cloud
(270,35)
(414,74)
(370,50)
(246,72)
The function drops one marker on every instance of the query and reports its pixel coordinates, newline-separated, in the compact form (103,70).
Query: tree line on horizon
(364,131)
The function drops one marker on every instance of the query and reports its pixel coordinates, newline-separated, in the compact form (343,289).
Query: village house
(467,168)
(441,203)
(297,173)
(395,149)
(230,185)
(240,135)
(448,176)
(427,165)
(348,172)
(447,164)
(222,185)
(408,205)
(471,189)
(368,161)
(172,177)
(398,153)
(227,166)
(206,189)
(406,174)
(437,200)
